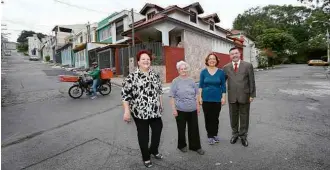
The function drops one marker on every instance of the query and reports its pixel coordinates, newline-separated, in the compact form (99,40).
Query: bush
(324,58)
(262,61)
(47,58)
(26,54)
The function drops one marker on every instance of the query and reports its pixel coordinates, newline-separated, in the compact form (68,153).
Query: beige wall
(161,71)
(197,47)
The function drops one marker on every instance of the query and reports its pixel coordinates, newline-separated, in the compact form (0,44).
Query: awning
(79,47)
(111,46)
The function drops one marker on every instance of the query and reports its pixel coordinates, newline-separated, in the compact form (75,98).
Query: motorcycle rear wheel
(105,89)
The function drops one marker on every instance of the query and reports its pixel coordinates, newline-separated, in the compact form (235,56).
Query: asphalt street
(43,128)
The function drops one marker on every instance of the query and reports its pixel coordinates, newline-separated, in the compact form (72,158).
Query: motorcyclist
(95,74)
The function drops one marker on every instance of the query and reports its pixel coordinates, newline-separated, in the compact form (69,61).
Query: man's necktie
(236,68)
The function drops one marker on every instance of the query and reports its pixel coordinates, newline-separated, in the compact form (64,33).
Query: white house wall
(165,28)
(173,36)
(126,22)
(61,38)
(151,10)
(33,43)
(80,59)
(200,24)
(221,46)
(47,51)
(66,55)
(91,46)
(250,52)
(10,45)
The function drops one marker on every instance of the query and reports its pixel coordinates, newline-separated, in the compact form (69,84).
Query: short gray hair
(178,65)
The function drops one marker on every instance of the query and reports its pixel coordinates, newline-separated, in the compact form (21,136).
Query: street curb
(116,84)
(262,69)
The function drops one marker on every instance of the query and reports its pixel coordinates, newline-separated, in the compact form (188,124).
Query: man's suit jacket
(241,85)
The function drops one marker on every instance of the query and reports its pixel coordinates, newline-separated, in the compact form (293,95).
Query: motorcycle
(83,84)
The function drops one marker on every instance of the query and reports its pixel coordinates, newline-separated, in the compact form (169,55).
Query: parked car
(317,63)
(7,53)
(34,58)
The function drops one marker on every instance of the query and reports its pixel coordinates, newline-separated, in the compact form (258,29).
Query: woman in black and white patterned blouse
(141,94)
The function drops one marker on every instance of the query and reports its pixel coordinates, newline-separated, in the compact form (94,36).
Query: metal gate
(104,59)
(58,58)
(124,60)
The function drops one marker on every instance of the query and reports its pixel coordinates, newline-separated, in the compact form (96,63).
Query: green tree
(295,24)
(23,41)
(24,34)
(322,4)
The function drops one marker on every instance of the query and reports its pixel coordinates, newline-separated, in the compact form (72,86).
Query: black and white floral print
(142,91)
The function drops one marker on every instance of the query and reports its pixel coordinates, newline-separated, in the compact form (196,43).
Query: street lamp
(327,36)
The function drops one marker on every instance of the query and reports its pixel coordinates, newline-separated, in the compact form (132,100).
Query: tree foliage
(23,41)
(24,34)
(277,40)
(321,4)
(287,30)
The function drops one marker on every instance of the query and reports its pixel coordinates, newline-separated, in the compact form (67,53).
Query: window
(212,25)
(119,30)
(193,17)
(81,39)
(105,33)
(151,15)
(108,32)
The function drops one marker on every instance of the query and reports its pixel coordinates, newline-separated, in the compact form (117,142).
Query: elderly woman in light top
(184,101)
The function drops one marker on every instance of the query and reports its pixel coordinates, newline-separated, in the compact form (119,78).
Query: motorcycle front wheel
(75,91)
(105,89)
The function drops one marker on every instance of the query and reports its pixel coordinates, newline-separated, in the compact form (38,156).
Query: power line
(30,25)
(79,7)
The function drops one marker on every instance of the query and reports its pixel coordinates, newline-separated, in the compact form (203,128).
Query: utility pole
(328,41)
(133,38)
(131,63)
(88,32)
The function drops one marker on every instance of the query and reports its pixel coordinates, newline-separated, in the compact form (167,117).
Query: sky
(43,15)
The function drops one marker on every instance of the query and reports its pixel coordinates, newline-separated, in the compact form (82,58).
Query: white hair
(178,65)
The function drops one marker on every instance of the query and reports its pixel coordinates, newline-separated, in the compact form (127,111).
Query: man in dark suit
(241,92)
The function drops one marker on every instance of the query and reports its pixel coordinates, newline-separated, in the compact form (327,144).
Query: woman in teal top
(212,95)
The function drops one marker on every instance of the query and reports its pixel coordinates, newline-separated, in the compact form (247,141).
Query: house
(109,31)
(250,52)
(10,45)
(183,28)
(46,47)
(34,44)
(84,46)
(66,52)
(60,33)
